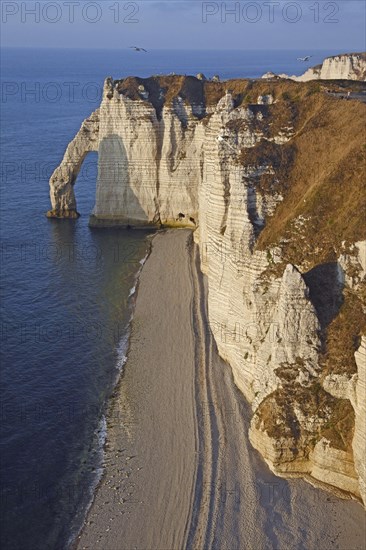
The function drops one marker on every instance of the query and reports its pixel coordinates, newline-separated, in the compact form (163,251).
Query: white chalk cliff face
(185,163)
(338,67)
(64,177)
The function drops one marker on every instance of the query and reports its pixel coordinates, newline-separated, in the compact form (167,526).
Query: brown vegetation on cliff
(163,89)
(323,210)
(320,173)
(343,336)
(325,183)
(285,412)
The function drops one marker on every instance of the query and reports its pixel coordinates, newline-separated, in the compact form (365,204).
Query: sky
(185,24)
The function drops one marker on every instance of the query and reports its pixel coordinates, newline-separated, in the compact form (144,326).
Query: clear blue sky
(186,24)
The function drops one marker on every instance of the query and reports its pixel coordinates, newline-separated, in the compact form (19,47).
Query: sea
(67,289)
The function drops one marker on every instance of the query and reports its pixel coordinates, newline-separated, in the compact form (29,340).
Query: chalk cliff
(351,66)
(269,175)
(64,177)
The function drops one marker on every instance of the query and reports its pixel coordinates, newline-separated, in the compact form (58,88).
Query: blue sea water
(64,287)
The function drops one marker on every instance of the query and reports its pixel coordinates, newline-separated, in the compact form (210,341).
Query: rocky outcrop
(359,404)
(350,66)
(64,177)
(353,388)
(221,158)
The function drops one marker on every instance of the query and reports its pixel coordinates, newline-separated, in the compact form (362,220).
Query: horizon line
(349,50)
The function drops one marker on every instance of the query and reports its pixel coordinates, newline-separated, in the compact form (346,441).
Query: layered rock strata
(64,177)
(350,66)
(238,163)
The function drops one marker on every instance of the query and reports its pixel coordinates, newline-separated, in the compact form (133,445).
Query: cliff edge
(270,175)
(348,66)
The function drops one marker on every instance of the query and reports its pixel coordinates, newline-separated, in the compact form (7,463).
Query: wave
(101,432)
(99,441)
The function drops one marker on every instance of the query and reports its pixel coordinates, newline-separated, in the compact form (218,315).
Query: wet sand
(180,472)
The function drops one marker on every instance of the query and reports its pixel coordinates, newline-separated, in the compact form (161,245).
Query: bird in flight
(306,58)
(138,49)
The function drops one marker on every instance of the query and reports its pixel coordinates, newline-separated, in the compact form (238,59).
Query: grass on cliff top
(319,172)
(164,89)
(325,183)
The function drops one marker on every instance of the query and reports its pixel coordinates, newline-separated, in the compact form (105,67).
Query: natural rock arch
(64,177)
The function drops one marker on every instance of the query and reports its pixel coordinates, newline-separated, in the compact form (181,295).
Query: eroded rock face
(213,167)
(359,404)
(63,179)
(127,167)
(339,67)
(352,388)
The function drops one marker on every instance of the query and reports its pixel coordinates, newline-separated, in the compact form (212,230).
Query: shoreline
(123,413)
(213,489)
(122,350)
